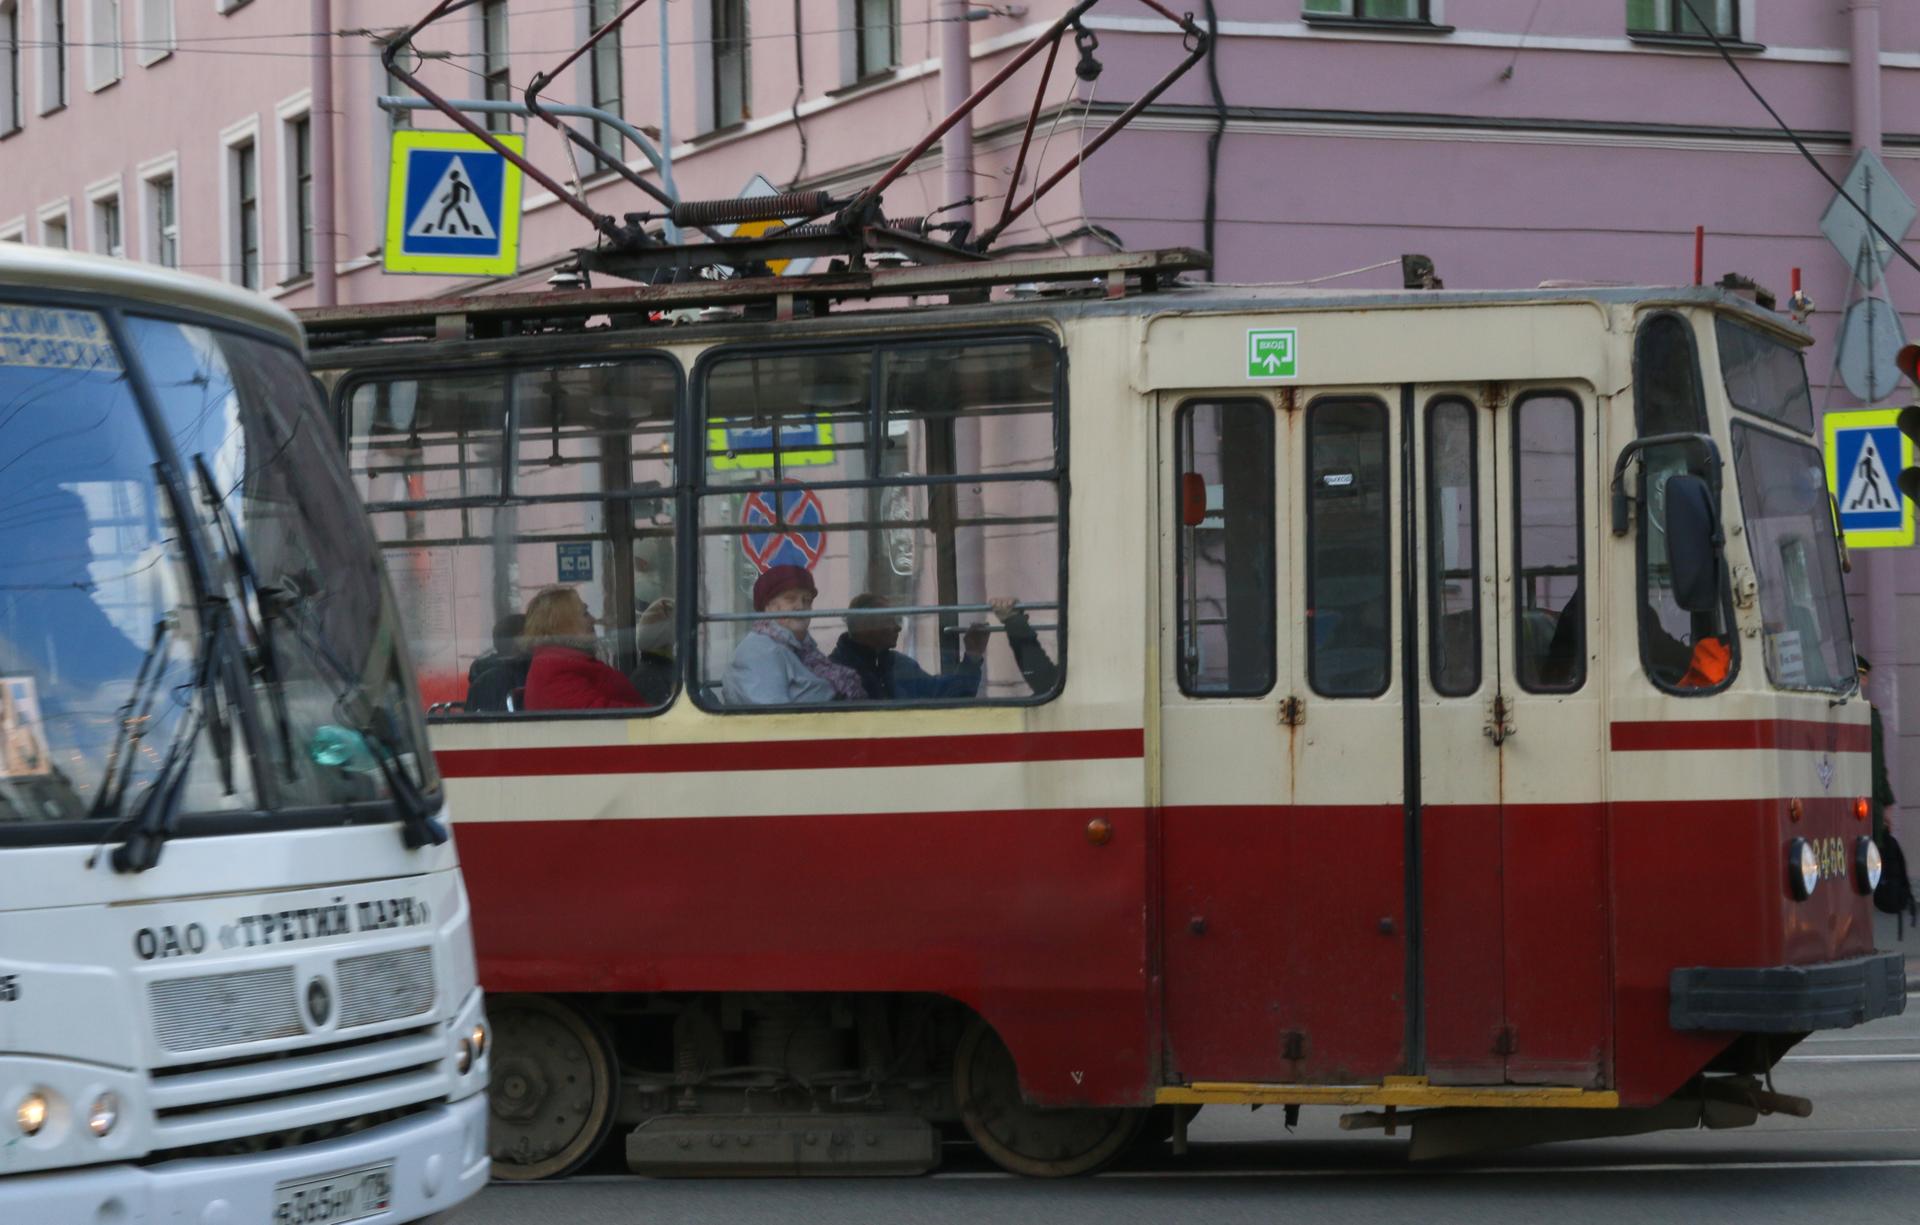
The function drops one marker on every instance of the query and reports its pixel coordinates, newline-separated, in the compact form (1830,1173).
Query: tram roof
(42,268)
(1079,291)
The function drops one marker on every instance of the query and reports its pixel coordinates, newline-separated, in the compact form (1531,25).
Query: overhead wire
(1799,144)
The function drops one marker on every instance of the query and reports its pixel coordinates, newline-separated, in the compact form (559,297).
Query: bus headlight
(480,1039)
(1867,866)
(31,1113)
(463,1056)
(1803,868)
(103,1114)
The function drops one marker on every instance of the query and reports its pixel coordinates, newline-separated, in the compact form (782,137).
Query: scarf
(844,681)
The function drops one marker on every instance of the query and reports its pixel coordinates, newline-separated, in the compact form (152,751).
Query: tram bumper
(1788,999)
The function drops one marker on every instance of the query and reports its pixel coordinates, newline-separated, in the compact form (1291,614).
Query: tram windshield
(247,663)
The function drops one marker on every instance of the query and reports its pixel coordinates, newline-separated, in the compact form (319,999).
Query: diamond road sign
(1873,186)
(1271,353)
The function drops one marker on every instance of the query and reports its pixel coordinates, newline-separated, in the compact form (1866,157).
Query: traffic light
(1909,361)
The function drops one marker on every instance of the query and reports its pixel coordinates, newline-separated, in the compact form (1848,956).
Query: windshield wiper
(154,819)
(240,561)
(135,714)
(420,825)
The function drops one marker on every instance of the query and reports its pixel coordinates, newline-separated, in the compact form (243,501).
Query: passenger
(886,674)
(565,674)
(494,676)
(777,663)
(1036,666)
(653,636)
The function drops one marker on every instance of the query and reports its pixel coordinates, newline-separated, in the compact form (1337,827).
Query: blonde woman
(565,674)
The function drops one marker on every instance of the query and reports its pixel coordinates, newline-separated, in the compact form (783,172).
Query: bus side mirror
(1693,542)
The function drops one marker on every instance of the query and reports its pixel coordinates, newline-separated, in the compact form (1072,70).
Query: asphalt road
(1856,1160)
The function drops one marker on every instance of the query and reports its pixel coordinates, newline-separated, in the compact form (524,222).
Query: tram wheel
(1036,1141)
(552,1087)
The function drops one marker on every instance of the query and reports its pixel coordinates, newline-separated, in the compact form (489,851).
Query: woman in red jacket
(565,674)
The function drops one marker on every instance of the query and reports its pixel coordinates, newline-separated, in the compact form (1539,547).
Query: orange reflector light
(1099,831)
(1794,809)
(1193,499)
(1861,808)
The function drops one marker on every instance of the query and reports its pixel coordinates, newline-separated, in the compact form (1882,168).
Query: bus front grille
(385,986)
(212,1010)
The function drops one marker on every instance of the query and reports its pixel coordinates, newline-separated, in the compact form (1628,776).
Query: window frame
(864,33)
(106,63)
(521,359)
(1676,18)
(1433,559)
(107,218)
(155,44)
(54,46)
(720,118)
(1389,585)
(242,135)
(1182,415)
(153,233)
(298,240)
(13,92)
(606,56)
(1353,15)
(1571,396)
(496,60)
(695,487)
(59,212)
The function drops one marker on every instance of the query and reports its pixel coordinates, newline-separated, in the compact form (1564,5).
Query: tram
(1437,705)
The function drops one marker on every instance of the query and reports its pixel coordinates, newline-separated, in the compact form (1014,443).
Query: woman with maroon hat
(565,674)
(778,664)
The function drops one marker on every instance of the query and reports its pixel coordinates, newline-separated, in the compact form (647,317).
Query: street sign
(1865,450)
(453,205)
(1272,354)
(1870,337)
(803,444)
(1874,187)
(794,538)
(758,188)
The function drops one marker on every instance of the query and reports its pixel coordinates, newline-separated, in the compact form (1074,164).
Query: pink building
(1510,142)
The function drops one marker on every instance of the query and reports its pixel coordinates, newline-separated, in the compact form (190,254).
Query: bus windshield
(246,663)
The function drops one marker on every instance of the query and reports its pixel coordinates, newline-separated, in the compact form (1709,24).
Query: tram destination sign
(1272,353)
(1865,451)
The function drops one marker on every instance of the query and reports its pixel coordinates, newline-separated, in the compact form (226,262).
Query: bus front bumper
(1788,999)
(439,1158)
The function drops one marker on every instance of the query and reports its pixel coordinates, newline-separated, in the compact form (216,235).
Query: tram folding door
(1383,847)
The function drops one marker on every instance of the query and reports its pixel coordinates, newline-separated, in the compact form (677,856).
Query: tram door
(1381,842)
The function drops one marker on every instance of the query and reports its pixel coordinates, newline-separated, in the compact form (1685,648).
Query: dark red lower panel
(1463,942)
(1284,937)
(1559,974)
(1015,914)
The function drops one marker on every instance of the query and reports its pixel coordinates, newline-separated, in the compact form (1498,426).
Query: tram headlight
(1867,866)
(103,1114)
(31,1113)
(1803,868)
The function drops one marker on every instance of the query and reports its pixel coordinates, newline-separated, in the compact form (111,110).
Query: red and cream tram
(1438,704)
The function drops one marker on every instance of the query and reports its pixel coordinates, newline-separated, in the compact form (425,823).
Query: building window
(14,231)
(877,35)
(300,144)
(732,101)
(53,231)
(10,114)
(506,499)
(1225,549)
(107,238)
(163,217)
(103,43)
(856,502)
(1370,10)
(155,34)
(53,55)
(244,169)
(1673,19)
(604,69)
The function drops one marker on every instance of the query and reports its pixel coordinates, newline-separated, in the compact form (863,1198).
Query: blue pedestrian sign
(453,205)
(574,561)
(1865,452)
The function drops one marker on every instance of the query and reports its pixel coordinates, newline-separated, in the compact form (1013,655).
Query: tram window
(1453,547)
(473,529)
(1226,596)
(1790,537)
(911,485)
(1550,635)
(1348,612)
(1764,376)
(1680,651)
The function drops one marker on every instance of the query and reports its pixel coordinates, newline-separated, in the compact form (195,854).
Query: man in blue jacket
(886,674)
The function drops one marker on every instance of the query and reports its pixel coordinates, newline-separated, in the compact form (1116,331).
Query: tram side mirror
(1193,499)
(1693,542)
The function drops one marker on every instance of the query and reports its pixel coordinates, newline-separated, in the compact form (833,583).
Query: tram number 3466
(1832,856)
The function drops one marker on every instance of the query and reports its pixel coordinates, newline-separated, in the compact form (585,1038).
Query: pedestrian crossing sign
(1865,453)
(453,205)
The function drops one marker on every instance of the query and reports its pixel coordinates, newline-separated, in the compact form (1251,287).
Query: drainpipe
(1881,623)
(956,86)
(956,154)
(320,18)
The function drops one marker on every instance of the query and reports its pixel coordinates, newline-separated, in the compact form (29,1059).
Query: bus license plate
(336,1198)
